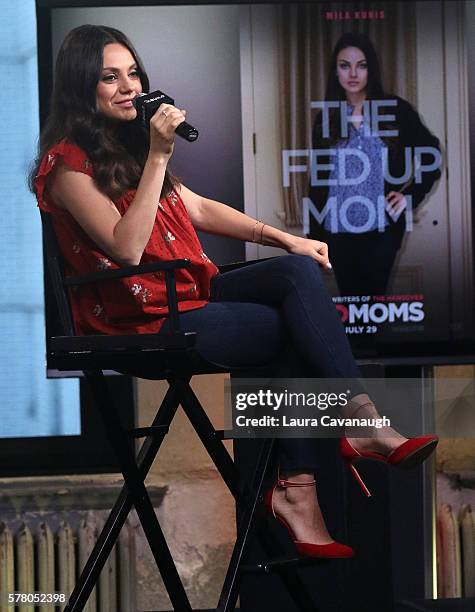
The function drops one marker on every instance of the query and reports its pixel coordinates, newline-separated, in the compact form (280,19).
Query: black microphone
(147,104)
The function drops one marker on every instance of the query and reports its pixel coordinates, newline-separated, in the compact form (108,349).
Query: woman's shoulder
(63,153)
(409,118)
(404,108)
(70,154)
(411,125)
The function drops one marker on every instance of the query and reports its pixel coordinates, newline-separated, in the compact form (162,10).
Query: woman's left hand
(396,203)
(313,248)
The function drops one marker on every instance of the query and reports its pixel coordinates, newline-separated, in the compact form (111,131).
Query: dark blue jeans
(256,310)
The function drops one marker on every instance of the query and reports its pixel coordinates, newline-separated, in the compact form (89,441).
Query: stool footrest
(279,564)
(153,430)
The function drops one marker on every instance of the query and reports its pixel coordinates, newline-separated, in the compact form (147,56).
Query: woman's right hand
(162,129)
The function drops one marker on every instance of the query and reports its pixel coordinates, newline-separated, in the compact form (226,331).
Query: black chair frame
(175,360)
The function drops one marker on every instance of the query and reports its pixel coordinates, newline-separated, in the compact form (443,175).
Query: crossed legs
(252,312)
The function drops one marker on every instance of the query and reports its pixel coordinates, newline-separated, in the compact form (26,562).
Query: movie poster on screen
(366,164)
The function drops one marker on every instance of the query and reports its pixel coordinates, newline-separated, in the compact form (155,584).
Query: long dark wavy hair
(118,156)
(334,91)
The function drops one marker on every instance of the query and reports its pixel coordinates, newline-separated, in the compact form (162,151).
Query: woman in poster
(381,163)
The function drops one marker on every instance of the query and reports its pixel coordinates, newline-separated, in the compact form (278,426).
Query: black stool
(174,359)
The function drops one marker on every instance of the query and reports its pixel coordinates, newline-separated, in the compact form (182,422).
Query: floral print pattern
(103,263)
(97,310)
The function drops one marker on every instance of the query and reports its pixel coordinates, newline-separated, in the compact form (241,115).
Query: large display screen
(347,122)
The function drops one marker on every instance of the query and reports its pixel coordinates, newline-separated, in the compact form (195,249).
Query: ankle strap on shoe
(359,408)
(288,483)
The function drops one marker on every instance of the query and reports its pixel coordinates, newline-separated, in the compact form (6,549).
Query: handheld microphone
(147,104)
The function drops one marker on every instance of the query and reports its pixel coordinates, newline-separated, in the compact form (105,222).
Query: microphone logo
(147,104)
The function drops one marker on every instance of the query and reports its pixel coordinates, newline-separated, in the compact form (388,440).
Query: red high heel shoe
(409,454)
(335,550)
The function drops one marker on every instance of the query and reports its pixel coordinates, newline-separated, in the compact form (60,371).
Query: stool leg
(145,511)
(229,592)
(206,432)
(137,495)
(120,510)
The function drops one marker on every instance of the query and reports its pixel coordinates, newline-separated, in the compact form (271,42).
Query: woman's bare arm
(218,218)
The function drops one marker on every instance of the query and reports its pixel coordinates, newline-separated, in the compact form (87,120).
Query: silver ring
(164,113)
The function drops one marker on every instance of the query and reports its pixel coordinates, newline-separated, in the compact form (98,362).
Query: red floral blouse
(137,304)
